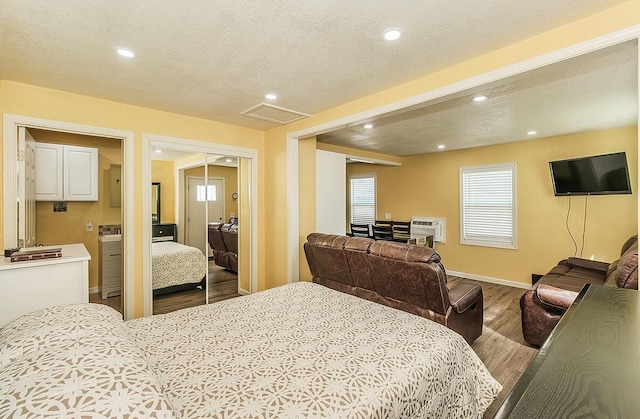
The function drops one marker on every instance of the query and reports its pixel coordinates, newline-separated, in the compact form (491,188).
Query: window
(488,205)
(363,198)
(211,193)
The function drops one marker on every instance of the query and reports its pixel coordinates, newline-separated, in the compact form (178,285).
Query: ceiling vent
(274,114)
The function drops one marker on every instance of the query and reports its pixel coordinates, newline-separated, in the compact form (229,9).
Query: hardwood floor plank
(502,347)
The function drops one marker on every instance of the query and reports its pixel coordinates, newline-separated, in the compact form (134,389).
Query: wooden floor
(223,285)
(501,347)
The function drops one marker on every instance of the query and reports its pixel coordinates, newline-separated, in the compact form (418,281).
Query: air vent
(274,114)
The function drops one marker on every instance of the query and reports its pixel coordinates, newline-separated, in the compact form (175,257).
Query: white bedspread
(176,264)
(303,350)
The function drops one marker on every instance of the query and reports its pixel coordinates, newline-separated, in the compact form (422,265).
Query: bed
(295,351)
(174,266)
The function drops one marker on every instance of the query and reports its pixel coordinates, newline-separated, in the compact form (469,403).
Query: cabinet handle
(117,254)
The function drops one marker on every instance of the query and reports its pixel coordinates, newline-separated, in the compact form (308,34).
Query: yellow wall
(428,186)
(163,171)
(599,24)
(307,176)
(69,227)
(22,99)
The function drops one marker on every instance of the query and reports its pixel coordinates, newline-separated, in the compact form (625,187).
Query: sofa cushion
(627,272)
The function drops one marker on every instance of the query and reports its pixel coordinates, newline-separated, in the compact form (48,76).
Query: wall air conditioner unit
(423,226)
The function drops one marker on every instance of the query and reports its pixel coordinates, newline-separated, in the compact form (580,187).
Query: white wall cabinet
(66,173)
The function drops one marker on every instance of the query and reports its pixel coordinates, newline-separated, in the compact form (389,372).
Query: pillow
(627,272)
(76,361)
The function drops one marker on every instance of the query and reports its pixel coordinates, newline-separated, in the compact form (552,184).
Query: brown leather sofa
(407,277)
(545,302)
(223,239)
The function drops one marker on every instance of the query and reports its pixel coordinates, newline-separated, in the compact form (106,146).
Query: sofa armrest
(588,264)
(555,298)
(463,295)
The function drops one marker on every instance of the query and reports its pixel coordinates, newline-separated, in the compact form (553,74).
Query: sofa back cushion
(409,274)
(76,361)
(627,269)
(329,261)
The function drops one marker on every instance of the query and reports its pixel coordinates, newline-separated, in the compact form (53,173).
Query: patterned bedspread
(176,264)
(303,350)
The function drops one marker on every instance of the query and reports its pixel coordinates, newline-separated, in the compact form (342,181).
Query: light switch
(89,226)
(387,216)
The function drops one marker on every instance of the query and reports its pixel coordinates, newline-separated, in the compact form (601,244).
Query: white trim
(10,131)
(562,54)
(367,160)
(242,291)
(293,210)
(181,144)
(93,290)
(490,280)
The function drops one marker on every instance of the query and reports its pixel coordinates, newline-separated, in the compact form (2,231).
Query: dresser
(31,285)
(109,265)
(589,366)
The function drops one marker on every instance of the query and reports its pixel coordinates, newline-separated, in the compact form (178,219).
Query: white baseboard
(93,290)
(243,291)
(490,280)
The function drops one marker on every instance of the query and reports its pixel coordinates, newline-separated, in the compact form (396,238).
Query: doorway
(205,204)
(12,125)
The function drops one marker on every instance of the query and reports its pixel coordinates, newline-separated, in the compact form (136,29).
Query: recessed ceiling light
(441,146)
(271,96)
(479,98)
(368,126)
(391,34)
(532,132)
(158,151)
(125,52)
(228,160)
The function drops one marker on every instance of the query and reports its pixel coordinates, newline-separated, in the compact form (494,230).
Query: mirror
(155,202)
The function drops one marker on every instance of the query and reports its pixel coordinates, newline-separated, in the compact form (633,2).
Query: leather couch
(544,304)
(407,277)
(223,239)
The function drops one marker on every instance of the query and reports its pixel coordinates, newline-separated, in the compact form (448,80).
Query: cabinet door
(49,172)
(80,173)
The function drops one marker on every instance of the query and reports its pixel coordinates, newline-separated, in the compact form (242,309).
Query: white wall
(331,192)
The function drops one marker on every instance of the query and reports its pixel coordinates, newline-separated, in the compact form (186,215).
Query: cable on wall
(584,223)
(575,245)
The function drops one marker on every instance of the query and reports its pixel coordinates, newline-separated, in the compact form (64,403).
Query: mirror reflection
(155,202)
(196,242)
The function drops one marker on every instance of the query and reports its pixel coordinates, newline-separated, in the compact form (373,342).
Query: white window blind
(488,205)
(363,198)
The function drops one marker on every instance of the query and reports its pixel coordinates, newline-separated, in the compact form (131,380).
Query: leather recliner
(407,277)
(223,239)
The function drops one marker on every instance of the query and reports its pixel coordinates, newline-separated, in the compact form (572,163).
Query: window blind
(363,199)
(488,205)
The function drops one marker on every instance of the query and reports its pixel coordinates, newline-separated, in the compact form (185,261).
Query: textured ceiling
(592,92)
(216,58)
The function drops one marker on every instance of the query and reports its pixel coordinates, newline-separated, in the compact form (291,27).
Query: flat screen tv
(595,175)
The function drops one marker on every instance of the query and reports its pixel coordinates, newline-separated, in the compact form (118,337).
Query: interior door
(201,195)
(26,188)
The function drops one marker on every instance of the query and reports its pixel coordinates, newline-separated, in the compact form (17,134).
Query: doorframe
(186,201)
(292,138)
(10,124)
(194,146)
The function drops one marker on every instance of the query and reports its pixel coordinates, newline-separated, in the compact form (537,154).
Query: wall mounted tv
(595,175)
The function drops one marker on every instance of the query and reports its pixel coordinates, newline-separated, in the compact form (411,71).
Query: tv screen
(595,175)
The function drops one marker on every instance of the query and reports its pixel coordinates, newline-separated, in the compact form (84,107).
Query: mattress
(176,264)
(304,350)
